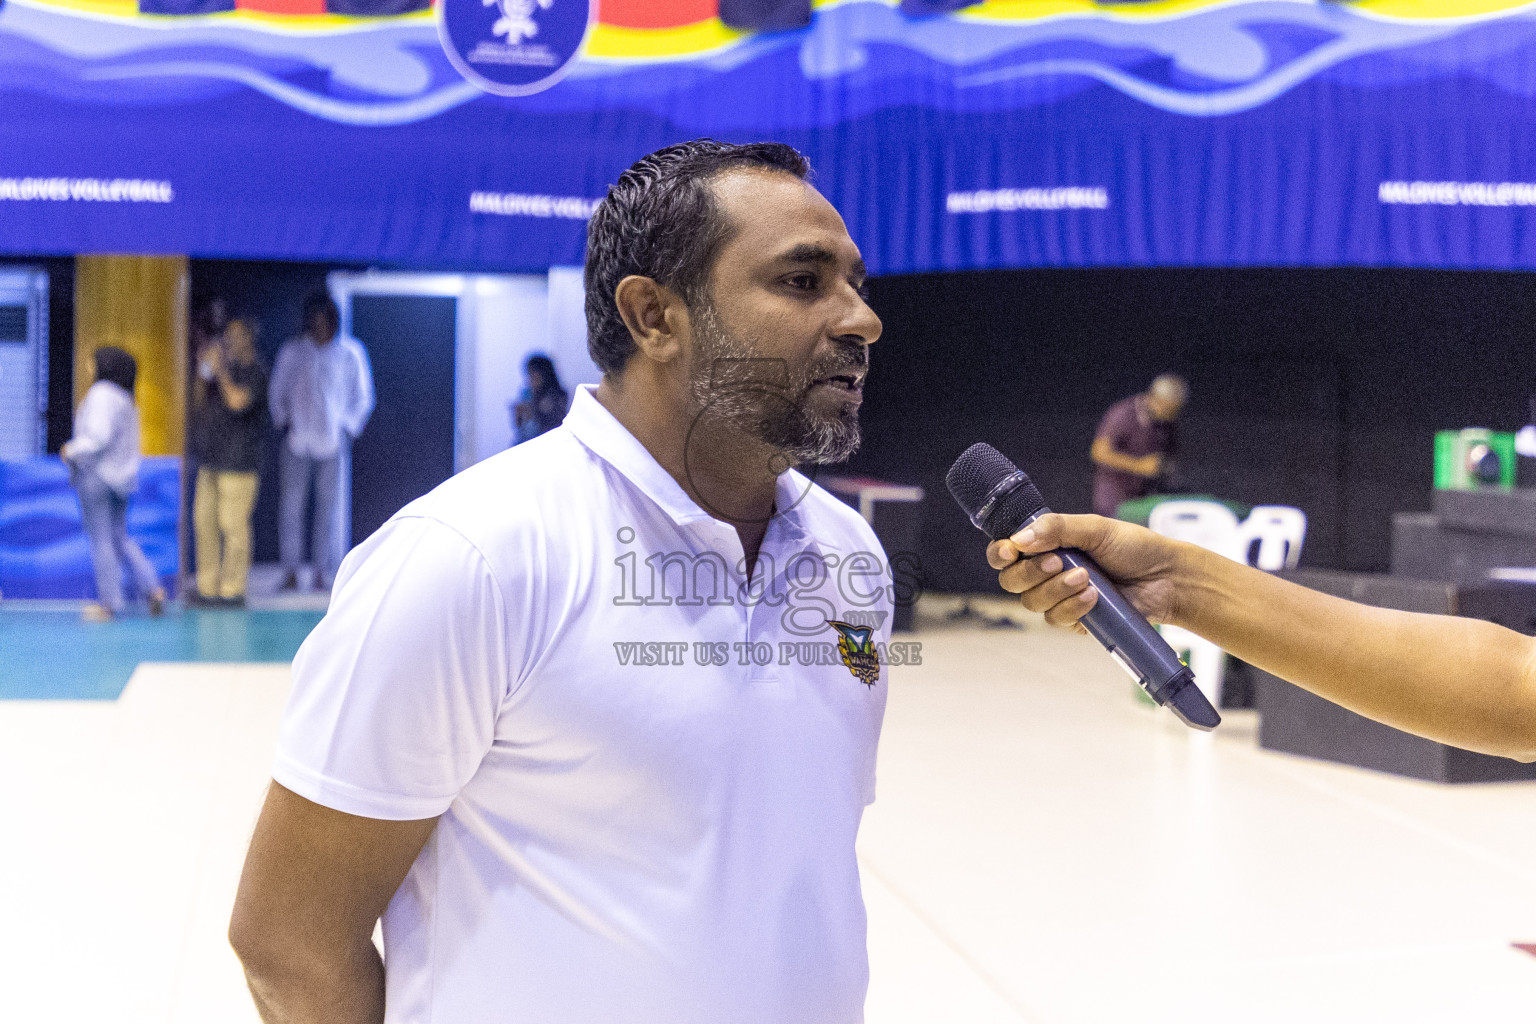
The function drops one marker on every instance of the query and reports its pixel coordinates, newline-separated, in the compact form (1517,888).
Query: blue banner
(43,550)
(1013,133)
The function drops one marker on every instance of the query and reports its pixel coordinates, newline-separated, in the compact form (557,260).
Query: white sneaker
(97,613)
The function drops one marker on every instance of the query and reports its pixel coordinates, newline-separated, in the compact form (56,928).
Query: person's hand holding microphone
(1149,569)
(1464,682)
(1001,502)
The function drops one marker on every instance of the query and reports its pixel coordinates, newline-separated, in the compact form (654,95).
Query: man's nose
(859,323)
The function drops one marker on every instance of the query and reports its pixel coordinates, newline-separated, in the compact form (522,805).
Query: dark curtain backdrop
(407,447)
(1315,388)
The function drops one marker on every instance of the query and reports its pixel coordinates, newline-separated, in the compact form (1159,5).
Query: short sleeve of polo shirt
(396,693)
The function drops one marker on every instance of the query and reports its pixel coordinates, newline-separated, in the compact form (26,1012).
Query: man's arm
(362,395)
(1465,682)
(1105,454)
(93,428)
(315,881)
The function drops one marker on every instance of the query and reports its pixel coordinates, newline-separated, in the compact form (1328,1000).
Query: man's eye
(863,290)
(804,282)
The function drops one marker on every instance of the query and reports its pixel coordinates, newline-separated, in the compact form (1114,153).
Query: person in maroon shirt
(1135,440)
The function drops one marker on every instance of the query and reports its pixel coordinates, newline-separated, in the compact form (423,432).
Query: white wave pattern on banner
(378,59)
(383,78)
(382,61)
(1266,88)
(1216,44)
(328,107)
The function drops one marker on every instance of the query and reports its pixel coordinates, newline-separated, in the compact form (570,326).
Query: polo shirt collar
(601,432)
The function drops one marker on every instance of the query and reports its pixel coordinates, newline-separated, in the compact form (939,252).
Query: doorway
(23,363)
(407,447)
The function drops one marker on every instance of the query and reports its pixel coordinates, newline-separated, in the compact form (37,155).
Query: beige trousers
(221,520)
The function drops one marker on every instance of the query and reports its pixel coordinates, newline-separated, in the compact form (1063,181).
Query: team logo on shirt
(856,646)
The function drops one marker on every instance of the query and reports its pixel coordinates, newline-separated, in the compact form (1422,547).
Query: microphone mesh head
(974,477)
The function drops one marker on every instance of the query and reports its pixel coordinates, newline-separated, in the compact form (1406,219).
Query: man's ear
(655,315)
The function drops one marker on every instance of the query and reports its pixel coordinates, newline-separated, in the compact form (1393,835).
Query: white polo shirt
(627,836)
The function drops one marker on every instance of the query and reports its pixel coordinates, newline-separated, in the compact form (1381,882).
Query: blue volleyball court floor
(48,653)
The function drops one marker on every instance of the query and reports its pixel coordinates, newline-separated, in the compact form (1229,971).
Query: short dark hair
(660,221)
(210,314)
(320,301)
(116,365)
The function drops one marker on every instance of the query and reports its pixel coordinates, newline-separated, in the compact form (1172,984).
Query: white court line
(1278,762)
(1362,956)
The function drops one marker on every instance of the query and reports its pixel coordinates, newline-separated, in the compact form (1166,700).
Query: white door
(23,363)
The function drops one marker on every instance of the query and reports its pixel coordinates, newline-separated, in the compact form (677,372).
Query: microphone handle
(1139,648)
(1126,634)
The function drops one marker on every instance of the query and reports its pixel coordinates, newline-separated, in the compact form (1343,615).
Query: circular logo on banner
(513,47)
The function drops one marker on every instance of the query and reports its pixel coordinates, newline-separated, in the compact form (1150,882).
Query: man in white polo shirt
(592,725)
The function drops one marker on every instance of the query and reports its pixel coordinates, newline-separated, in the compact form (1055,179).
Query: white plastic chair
(1207,524)
(1525,440)
(1279,531)
(1214,527)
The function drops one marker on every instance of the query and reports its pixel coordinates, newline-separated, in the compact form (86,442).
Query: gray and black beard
(766,399)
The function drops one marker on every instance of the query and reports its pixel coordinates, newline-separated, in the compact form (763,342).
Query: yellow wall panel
(139,304)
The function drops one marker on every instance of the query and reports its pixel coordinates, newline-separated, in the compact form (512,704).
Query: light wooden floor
(1043,849)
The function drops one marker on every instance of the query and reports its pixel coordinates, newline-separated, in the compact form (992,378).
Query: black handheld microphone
(1001,501)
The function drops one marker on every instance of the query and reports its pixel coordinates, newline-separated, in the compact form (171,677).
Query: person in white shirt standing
(592,725)
(321,396)
(103,456)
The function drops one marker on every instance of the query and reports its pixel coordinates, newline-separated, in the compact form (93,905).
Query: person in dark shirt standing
(542,405)
(229,422)
(1135,442)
